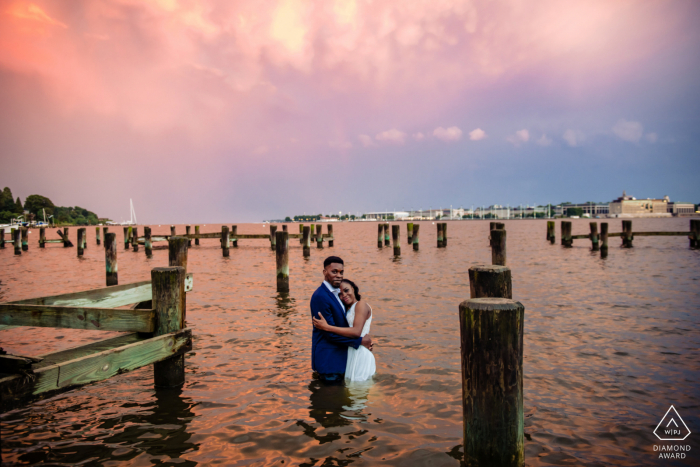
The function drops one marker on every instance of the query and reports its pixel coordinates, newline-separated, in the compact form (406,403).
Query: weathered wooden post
(319,235)
(415,237)
(66,240)
(196,232)
(282,259)
(234,238)
(444,234)
(81,240)
(224,240)
(490,281)
(168,286)
(301,231)
(603,239)
(2,238)
(491,335)
(177,251)
(273,237)
(16,239)
(409,232)
(135,239)
(492,225)
(439,234)
(386,235)
(312,234)
(307,241)
(694,233)
(284,229)
(627,236)
(566,239)
(172,230)
(147,243)
(111,258)
(380,235)
(126,238)
(500,225)
(330,236)
(551,232)
(189,240)
(498,247)
(25,238)
(104,232)
(42,237)
(594,236)
(396,239)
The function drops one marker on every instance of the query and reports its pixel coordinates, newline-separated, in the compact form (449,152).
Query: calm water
(609,345)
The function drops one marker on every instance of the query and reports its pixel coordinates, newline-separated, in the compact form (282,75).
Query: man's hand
(367,342)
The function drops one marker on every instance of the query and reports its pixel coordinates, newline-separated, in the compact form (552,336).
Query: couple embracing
(341,347)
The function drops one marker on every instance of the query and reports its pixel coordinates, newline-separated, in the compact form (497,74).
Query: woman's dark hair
(355,288)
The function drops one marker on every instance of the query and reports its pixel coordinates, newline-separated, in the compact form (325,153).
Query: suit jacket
(329,351)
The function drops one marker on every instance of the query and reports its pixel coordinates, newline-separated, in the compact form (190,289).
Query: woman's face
(346,295)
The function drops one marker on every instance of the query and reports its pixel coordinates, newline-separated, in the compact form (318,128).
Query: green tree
(7,201)
(574,212)
(288,219)
(35,204)
(18,206)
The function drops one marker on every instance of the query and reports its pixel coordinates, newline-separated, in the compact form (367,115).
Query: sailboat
(132,215)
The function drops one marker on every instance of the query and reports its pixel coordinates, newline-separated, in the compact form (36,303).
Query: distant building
(629,206)
(681,209)
(386,215)
(592,209)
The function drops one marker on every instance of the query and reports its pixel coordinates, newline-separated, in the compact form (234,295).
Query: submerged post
(380,235)
(386,235)
(135,239)
(603,239)
(111,258)
(172,230)
(104,232)
(66,241)
(273,237)
(396,239)
(168,286)
(312,233)
(551,232)
(415,236)
(81,240)
(444,234)
(491,335)
(409,232)
(566,239)
(330,236)
(284,228)
(187,232)
(627,234)
(147,243)
(594,237)
(2,238)
(224,240)
(307,241)
(97,235)
(492,225)
(42,238)
(25,239)
(126,237)
(439,234)
(490,281)
(196,232)
(498,247)
(301,231)
(16,239)
(694,233)
(319,235)
(234,233)
(282,259)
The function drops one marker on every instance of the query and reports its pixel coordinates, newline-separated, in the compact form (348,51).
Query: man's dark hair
(332,259)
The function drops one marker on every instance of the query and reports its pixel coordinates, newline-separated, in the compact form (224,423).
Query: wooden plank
(660,234)
(95,319)
(16,363)
(93,347)
(574,237)
(94,367)
(53,241)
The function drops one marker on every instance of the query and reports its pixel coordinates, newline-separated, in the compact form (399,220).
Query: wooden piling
(595,244)
(284,229)
(66,239)
(409,232)
(307,240)
(396,239)
(492,281)
(25,238)
(105,230)
(177,252)
(282,259)
(196,232)
(415,237)
(168,285)
(566,239)
(444,234)
(551,232)
(319,235)
(17,240)
(301,231)
(111,258)
(135,239)
(2,238)
(234,238)
(312,234)
(498,247)
(603,239)
(694,233)
(126,237)
(97,235)
(491,335)
(42,237)
(330,236)
(273,237)
(380,235)
(147,243)
(439,234)
(500,226)
(189,240)
(627,236)
(224,240)
(81,239)
(492,225)
(387,241)
(172,230)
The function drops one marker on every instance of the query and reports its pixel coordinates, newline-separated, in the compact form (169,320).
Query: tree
(7,201)
(18,206)
(574,212)
(36,203)
(288,219)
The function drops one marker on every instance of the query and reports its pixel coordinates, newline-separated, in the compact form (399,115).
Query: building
(386,215)
(681,209)
(629,206)
(592,209)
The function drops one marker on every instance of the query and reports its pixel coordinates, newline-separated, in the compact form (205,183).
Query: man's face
(333,273)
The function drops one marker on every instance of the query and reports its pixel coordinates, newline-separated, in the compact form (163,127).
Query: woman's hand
(320,323)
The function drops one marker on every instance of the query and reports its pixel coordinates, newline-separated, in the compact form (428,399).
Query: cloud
(520,136)
(392,136)
(651,137)
(544,141)
(450,134)
(476,135)
(574,137)
(418,136)
(366,141)
(628,130)
(340,144)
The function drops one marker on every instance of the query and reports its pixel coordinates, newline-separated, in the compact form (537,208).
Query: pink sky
(216,110)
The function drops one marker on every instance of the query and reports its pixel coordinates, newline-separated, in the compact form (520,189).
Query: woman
(360,365)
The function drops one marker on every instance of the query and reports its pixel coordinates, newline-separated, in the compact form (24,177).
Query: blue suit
(329,351)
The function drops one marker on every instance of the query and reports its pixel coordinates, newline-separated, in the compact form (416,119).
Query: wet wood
(627,235)
(498,247)
(126,238)
(603,239)
(111,265)
(177,252)
(444,234)
(187,233)
(380,236)
(330,235)
(81,240)
(694,233)
(551,232)
(566,239)
(595,241)
(2,238)
(147,242)
(172,230)
(169,305)
(307,241)
(196,232)
(282,260)
(94,319)
(319,236)
(396,239)
(224,241)
(301,233)
(25,238)
(10,364)
(409,232)
(134,239)
(42,237)
(490,281)
(491,336)
(97,235)
(64,236)
(234,235)
(386,235)
(312,233)
(492,225)
(439,234)
(17,241)
(273,237)
(416,236)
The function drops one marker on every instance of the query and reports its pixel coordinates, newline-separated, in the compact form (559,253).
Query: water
(610,344)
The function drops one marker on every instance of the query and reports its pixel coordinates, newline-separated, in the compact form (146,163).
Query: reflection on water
(610,343)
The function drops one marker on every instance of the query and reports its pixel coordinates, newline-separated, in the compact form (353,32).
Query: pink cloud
(448,134)
(392,136)
(520,137)
(476,135)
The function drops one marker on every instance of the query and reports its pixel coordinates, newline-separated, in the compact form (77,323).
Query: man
(329,351)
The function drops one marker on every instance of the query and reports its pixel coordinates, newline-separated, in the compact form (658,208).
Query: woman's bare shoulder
(363,307)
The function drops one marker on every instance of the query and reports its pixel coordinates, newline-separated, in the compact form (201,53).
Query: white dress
(361,365)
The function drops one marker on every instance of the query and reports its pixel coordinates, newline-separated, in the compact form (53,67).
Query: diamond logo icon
(672,427)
